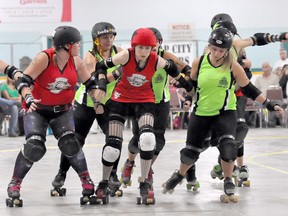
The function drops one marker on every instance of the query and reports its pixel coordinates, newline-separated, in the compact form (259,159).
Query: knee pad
(133,146)
(34,149)
(188,156)
(228,149)
(147,138)
(68,144)
(80,139)
(241,131)
(111,151)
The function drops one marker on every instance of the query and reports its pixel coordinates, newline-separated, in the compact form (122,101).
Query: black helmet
(157,34)
(102,28)
(220,17)
(221,37)
(65,35)
(226,24)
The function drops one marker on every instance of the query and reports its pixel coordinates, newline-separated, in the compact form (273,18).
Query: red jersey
(136,86)
(53,86)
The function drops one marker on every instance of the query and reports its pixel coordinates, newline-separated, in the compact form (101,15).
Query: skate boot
(13,191)
(57,184)
(243,176)
(88,191)
(216,172)
(102,192)
(192,182)
(235,171)
(172,182)
(114,185)
(146,194)
(127,170)
(229,189)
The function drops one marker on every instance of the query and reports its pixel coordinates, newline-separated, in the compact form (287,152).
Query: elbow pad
(10,71)
(186,70)
(251,91)
(260,39)
(91,83)
(101,65)
(171,68)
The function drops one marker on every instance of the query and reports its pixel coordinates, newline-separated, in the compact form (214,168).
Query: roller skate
(192,183)
(88,191)
(127,170)
(216,172)
(172,182)
(102,192)
(57,184)
(13,191)
(229,189)
(243,177)
(114,185)
(146,194)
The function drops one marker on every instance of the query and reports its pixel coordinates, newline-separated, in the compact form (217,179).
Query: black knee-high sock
(78,162)
(64,163)
(22,167)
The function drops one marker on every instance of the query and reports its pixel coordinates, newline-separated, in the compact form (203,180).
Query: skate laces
(14,186)
(87,183)
(128,168)
(150,174)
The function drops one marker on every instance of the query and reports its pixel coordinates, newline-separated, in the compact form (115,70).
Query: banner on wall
(185,51)
(23,11)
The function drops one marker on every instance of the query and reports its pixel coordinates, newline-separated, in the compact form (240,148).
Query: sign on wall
(181,32)
(185,51)
(21,11)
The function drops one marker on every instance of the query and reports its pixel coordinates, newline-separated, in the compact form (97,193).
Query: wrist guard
(102,84)
(260,39)
(269,105)
(280,37)
(23,81)
(29,99)
(184,84)
(188,98)
(91,83)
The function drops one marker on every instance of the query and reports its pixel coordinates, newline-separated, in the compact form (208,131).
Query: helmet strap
(224,56)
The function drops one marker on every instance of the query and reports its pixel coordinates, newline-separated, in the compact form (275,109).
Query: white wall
(250,16)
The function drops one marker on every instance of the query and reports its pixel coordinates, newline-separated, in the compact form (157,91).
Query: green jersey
(215,89)
(83,97)
(160,83)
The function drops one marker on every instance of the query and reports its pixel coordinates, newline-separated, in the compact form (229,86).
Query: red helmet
(144,37)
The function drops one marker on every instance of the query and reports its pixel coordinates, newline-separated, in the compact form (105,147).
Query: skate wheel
(9,202)
(119,193)
(138,200)
(105,199)
(93,200)
(189,187)
(83,200)
(54,193)
(247,183)
(233,198)
(224,198)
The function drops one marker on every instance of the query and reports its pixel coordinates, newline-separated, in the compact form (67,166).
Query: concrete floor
(266,152)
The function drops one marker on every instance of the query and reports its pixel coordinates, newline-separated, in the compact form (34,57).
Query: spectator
(10,102)
(283,82)
(281,62)
(265,81)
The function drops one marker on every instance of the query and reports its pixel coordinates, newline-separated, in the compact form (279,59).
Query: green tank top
(215,90)
(160,83)
(83,97)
